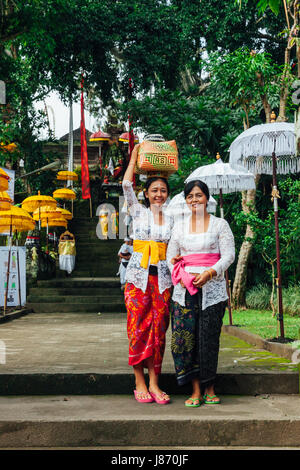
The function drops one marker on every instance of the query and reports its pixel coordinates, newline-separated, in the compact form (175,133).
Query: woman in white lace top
(148,283)
(200,250)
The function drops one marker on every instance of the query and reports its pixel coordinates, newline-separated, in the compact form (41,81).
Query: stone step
(94,272)
(80,282)
(71,307)
(116,382)
(100,243)
(97,262)
(95,421)
(86,291)
(115,299)
(95,254)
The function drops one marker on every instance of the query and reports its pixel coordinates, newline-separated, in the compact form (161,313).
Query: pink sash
(201,259)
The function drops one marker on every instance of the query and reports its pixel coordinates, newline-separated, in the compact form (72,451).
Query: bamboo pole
(8,267)
(226,272)
(18,268)
(278,284)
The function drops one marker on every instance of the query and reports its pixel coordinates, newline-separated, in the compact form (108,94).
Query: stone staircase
(66,382)
(92,286)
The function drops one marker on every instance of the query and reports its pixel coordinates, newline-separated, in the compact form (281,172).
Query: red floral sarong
(147,322)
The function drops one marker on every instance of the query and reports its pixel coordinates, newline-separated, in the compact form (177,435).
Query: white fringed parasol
(254,147)
(177,207)
(220,175)
(221,178)
(269,149)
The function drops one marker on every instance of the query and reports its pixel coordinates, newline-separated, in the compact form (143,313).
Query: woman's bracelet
(210,274)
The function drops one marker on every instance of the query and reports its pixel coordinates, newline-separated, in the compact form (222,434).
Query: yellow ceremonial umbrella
(16,226)
(64,193)
(32,203)
(14,220)
(4,179)
(66,214)
(67,175)
(46,214)
(58,222)
(15,215)
(5,201)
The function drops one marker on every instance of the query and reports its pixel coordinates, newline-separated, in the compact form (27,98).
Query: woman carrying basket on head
(200,250)
(148,282)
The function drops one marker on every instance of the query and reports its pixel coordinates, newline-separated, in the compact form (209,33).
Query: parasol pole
(91,211)
(8,267)
(47,236)
(19,277)
(226,272)
(221,204)
(275,196)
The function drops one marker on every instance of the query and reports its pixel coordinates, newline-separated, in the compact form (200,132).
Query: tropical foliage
(201,75)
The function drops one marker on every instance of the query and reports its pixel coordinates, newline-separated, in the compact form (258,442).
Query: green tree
(263,239)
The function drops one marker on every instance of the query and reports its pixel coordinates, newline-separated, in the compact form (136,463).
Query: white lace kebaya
(144,228)
(217,239)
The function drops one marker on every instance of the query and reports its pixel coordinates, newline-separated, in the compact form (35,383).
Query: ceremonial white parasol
(268,149)
(177,207)
(221,178)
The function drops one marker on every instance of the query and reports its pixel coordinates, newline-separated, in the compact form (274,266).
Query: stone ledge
(69,421)
(16,314)
(282,350)
(113,382)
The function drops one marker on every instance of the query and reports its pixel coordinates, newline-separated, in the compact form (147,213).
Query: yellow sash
(155,250)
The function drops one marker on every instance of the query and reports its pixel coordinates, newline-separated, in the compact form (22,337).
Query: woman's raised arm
(128,176)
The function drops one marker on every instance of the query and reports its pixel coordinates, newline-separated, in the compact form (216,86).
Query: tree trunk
(240,280)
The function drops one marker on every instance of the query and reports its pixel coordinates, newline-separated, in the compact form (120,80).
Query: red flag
(85,175)
(131,135)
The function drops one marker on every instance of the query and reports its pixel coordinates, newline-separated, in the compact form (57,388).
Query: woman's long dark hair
(148,184)
(200,184)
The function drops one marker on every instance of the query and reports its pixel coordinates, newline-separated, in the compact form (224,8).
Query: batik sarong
(195,339)
(147,322)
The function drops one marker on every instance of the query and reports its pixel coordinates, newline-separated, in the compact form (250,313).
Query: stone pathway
(69,343)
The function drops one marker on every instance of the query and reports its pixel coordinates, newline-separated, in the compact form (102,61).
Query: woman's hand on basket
(134,154)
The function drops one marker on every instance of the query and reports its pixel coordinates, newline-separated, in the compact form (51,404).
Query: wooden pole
(91,210)
(221,204)
(7,274)
(278,284)
(226,273)
(47,236)
(19,277)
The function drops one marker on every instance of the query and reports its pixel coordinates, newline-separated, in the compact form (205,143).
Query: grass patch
(258,298)
(262,323)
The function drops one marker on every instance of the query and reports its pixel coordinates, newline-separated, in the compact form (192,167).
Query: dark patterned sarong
(196,339)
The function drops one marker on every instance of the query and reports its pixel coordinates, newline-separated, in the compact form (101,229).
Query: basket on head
(157,157)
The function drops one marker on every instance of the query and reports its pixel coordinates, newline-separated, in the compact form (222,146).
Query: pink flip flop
(160,399)
(147,397)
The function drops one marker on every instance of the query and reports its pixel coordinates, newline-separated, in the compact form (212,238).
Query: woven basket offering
(157,157)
